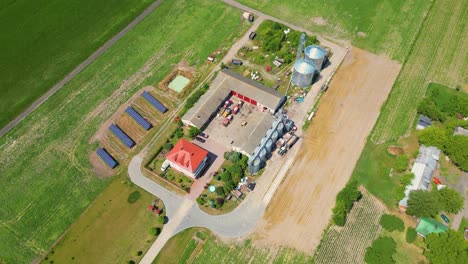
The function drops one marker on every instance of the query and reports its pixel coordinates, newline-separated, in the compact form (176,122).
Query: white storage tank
(303,73)
(316,55)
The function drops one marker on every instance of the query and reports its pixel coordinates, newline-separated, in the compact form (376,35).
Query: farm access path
(79,68)
(183,212)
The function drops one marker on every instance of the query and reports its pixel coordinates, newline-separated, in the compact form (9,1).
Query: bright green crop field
(45,176)
(379,26)
(43,40)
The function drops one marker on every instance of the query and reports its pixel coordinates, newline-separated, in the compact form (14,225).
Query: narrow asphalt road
(78,69)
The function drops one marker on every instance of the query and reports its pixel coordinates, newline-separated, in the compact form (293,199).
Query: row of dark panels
(123,136)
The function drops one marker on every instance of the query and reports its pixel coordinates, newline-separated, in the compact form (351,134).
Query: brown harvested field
(301,208)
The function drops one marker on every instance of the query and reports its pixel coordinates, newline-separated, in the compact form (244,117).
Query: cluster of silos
(264,151)
(306,68)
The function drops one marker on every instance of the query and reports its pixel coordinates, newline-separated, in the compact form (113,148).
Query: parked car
(200,139)
(236,62)
(203,135)
(251,186)
(445,218)
(252,35)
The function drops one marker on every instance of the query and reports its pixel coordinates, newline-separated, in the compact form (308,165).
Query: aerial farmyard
(209,131)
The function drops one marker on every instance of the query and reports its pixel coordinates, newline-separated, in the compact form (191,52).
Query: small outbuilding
(460,131)
(428,226)
(423,122)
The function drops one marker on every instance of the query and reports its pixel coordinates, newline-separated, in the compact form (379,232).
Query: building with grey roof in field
(423,168)
(228,83)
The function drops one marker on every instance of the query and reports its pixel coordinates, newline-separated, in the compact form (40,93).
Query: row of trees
(430,204)
(453,146)
(344,202)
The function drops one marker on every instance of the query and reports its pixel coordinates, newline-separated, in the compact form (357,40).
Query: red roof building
(187,158)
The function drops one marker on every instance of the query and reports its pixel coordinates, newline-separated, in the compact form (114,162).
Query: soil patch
(301,208)
(395,150)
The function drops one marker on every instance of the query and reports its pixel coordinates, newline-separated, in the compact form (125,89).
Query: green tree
(423,204)
(392,223)
(411,235)
(161,219)
(339,213)
(381,251)
(220,191)
(349,194)
(167,146)
(401,163)
(450,200)
(446,248)
(193,132)
(428,108)
(433,136)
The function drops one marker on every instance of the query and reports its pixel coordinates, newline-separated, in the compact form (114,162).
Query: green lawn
(42,41)
(183,247)
(380,26)
(46,178)
(111,230)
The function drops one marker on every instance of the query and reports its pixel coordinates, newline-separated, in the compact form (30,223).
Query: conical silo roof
(315,52)
(303,67)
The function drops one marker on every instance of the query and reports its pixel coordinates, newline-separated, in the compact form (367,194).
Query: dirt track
(301,208)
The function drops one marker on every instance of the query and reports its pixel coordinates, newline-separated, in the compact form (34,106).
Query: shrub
(167,146)
(344,202)
(178,133)
(137,253)
(193,132)
(401,163)
(133,197)
(339,213)
(179,180)
(220,191)
(200,201)
(392,223)
(428,108)
(131,262)
(153,231)
(220,201)
(226,176)
(381,251)
(161,219)
(411,235)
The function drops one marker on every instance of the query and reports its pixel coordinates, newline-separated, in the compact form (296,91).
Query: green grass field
(189,247)
(111,230)
(439,55)
(47,181)
(382,26)
(42,41)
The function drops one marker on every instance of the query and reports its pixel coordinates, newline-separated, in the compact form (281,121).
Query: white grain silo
(303,73)
(316,55)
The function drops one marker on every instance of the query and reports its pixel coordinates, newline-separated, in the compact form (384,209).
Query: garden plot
(348,244)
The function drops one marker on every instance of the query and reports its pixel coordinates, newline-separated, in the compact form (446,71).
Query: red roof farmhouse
(187,158)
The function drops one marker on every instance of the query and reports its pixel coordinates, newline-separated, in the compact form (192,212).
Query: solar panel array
(107,158)
(122,136)
(138,118)
(158,105)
